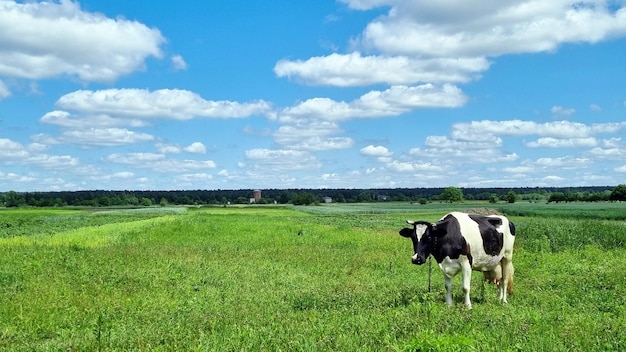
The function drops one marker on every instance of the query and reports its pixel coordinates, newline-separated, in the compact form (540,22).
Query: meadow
(315,278)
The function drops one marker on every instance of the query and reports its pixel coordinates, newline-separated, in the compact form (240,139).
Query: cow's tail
(510,273)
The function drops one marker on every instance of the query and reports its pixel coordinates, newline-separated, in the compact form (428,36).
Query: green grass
(261,278)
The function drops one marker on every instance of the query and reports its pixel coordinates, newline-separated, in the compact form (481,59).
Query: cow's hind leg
(506,284)
(448,283)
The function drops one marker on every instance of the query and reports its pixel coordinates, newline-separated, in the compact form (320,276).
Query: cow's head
(423,235)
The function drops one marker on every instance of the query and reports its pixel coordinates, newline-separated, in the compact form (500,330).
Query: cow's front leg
(466,273)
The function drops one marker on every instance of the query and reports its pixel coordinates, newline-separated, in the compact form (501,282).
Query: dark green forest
(106,198)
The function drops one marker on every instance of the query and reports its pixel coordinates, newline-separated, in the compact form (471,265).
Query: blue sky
(155,95)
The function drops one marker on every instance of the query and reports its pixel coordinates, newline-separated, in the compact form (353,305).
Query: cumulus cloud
(344,70)
(313,124)
(53,38)
(278,160)
(159,162)
(552,165)
(68,120)
(491,28)
(12,152)
(311,135)
(164,103)
(390,102)
(451,41)
(562,111)
(550,142)
(4,90)
(376,151)
(103,137)
(556,129)
(196,148)
(178,63)
(381,153)
(398,166)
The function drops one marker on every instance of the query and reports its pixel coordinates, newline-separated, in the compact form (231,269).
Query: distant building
(257,196)
(328,200)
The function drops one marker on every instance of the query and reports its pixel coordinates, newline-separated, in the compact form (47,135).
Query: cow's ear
(407,232)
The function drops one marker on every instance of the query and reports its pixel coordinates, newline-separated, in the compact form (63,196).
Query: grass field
(325,278)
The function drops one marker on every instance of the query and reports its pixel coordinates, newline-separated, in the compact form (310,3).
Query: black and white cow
(464,242)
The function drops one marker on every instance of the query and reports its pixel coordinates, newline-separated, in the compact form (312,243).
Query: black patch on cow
(493,221)
(512,228)
(493,240)
(447,240)
(469,255)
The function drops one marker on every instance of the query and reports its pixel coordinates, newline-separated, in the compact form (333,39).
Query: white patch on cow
(419,231)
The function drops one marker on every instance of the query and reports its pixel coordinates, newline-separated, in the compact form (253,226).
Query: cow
(465,242)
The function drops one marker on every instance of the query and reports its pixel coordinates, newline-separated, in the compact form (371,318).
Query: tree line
(105,198)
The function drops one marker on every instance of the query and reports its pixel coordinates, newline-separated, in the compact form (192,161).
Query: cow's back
(486,242)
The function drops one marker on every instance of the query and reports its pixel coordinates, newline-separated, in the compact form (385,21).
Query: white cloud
(274,160)
(11,150)
(451,41)
(613,153)
(550,142)
(621,169)
(178,63)
(556,129)
(443,142)
(561,111)
(53,38)
(123,175)
(398,166)
(165,148)
(159,162)
(553,178)
(551,165)
(67,120)
(164,103)
(344,70)
(378,151)
(391,102)
(103,137)
(312,135)
(195,177)
(491,28)
(4,90)
(196,148)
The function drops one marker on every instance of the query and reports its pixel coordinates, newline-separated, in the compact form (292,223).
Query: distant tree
(304,198)
(14,199)
(163,202)
(619,193)
(452,195)
(511,196)
(493,198)
(557,197)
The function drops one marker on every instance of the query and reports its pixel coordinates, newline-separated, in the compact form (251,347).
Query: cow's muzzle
(417,259)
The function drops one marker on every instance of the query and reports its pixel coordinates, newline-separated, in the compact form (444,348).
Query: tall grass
(229,279)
